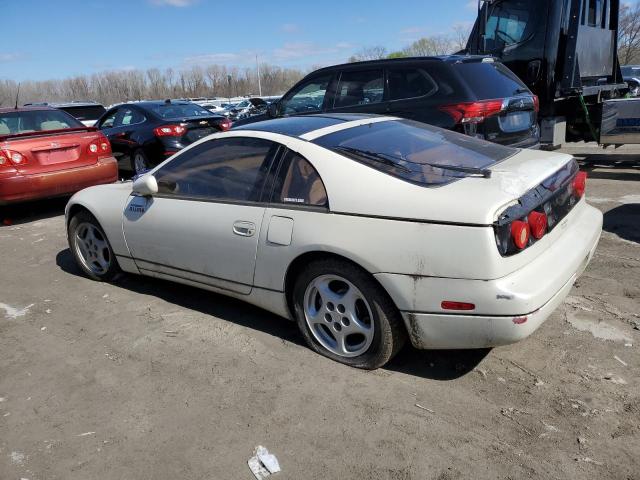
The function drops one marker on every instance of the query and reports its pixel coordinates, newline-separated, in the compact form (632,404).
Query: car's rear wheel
(90,247)
(345,315)
(139,162)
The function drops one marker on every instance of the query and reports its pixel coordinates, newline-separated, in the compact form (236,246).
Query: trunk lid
(47,151)
(199,127)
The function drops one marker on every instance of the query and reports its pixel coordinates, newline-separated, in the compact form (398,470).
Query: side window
(109,119)
(298,183)
(309,97)
(359,88)
(131,116)
(410,83)
(225,169)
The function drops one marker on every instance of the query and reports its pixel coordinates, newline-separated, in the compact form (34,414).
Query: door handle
(244,229)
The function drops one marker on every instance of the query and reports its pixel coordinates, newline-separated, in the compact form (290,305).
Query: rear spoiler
(46,133)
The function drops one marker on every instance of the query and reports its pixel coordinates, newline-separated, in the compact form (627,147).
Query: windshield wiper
(392,160)
(376,157)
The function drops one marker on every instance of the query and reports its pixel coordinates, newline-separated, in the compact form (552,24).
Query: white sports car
(364,229)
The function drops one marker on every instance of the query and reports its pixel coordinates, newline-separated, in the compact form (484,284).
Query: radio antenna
(17,96)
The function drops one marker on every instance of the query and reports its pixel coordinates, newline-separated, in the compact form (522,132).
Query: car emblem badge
(54,145)
(203,122)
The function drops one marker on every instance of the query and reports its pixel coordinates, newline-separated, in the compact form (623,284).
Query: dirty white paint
(17,458)
(12,312)
(598,329)
(85,434)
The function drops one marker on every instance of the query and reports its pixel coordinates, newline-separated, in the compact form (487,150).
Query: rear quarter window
(488,80)
(434,81)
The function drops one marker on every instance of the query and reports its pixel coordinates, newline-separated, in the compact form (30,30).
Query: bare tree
(369,53)
(460,36)
(434,45)
(629,34)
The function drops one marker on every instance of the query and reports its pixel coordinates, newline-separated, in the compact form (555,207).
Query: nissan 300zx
(365,230)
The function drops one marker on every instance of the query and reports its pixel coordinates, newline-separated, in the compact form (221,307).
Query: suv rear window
(413,151)
(86,112)
(489,80)
(12,123)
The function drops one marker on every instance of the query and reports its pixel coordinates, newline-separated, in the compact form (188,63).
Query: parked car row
(348,149)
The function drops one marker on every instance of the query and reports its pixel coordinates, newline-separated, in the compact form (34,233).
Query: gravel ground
(143,379)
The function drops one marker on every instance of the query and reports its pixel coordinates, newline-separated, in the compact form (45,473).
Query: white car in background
(366,230)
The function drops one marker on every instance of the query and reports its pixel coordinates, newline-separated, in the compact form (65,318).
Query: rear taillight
(580,184)
(11,158)
(99,146)
(536,103)
(225,124)
(537,224)
(520,233)
(169,131)
(473,112)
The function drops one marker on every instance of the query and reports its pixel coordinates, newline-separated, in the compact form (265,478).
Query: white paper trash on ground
(263,463)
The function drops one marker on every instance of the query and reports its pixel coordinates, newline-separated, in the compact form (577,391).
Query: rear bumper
(507,309)
(19,188)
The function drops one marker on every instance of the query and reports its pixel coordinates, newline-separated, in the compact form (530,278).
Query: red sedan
(46,152)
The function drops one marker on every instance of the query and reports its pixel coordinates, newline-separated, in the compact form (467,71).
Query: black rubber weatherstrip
(412,220)
(193,273)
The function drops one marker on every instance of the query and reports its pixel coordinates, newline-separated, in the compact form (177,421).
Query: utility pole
(258,73)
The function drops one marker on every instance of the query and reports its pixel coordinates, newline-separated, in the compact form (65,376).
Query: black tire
(389,334)
(79,222)
(144,160)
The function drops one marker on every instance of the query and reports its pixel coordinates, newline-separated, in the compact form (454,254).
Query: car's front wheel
(345,315)
(90,247)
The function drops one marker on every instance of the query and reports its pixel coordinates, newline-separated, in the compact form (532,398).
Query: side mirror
(145,186)
(274,109)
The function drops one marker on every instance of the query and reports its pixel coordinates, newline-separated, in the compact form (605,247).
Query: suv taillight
(473,112)
(536,103)
(169,131)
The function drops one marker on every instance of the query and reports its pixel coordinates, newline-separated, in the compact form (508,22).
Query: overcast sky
(44,39)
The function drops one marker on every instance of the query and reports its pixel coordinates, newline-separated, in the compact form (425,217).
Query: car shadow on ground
(31,211)
(434,364)
(624,221)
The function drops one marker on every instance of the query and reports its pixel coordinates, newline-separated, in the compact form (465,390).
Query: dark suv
(475,95)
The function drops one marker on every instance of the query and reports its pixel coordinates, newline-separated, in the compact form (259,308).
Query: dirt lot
(93,387)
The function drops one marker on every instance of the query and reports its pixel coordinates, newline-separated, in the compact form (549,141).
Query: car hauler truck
(566,53)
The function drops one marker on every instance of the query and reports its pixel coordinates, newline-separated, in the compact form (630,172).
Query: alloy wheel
(338,315)
(92,248)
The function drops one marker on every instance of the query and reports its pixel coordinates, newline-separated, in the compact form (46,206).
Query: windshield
(510,22)
(12,123)
(179,110)
(412,150)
